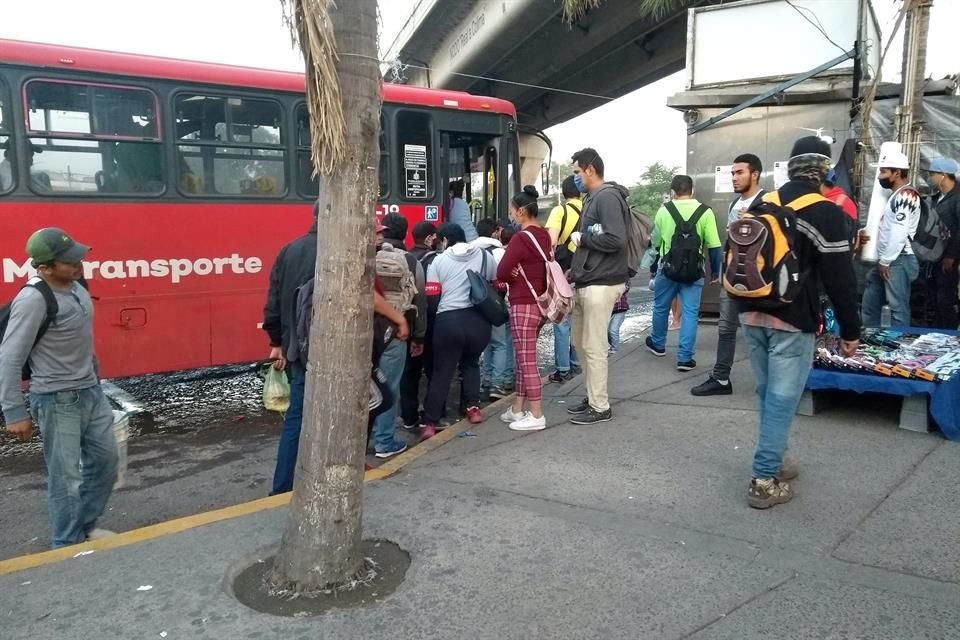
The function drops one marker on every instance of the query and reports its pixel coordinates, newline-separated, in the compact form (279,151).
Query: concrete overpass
(522,50)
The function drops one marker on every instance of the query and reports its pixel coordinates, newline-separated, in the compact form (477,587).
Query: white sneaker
(509,416)
(96,534)
(529,423)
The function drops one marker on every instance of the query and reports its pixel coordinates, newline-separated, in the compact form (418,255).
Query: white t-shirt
(740,205)
(6,175)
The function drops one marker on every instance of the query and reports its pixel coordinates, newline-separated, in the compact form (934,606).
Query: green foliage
(647,194)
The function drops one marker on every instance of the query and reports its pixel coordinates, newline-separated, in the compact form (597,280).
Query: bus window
(7,170)
(229,146)
(92,139)
(307,184)
(414,135)
(473,159)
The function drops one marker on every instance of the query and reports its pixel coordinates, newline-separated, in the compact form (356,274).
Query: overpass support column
(533,152)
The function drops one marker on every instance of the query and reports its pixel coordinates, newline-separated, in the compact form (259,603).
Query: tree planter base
(388,563)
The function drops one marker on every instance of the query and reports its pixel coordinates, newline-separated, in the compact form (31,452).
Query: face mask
(885,183)
(578,181)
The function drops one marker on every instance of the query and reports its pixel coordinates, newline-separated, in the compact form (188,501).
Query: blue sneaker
(393,449)
(652,349)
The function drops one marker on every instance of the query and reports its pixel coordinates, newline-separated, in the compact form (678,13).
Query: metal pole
(910,111)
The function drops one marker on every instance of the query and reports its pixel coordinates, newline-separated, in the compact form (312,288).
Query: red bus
(186,178)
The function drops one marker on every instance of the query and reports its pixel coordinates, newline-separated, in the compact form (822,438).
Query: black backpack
(299,349)
(684,262)
(52,309)
(562,253)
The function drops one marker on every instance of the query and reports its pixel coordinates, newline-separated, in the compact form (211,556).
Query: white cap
(893,159)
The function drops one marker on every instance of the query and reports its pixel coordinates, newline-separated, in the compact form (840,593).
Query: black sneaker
(497,392)
(652,349)
(576,369)
(560,376)
(688,365)
(712,387)
(592,416)
(583,407)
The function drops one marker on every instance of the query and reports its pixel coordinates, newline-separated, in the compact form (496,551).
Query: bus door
(473,161)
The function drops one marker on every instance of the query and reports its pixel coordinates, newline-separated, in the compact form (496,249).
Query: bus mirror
(544,178)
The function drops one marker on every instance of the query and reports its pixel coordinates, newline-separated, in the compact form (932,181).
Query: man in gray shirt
(74,416)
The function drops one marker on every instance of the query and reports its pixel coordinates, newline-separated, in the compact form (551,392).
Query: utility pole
(910,111)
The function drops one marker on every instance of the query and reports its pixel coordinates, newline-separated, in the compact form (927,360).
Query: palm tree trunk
(321,546)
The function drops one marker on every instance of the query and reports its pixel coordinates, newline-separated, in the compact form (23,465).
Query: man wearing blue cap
(50,326)
(943,179)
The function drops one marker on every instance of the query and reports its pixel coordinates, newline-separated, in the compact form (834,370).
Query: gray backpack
(932,235)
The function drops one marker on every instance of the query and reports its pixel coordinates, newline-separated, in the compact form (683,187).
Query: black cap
(395,225)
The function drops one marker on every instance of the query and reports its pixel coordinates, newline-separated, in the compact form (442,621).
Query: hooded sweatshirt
(601,258)
(447,275)
(494,246)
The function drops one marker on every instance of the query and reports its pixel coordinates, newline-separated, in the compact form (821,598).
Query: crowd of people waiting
(587,236)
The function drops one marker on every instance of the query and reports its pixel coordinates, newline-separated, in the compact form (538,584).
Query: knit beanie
(809,160)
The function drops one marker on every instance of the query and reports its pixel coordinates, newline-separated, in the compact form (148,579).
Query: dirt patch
(389,565)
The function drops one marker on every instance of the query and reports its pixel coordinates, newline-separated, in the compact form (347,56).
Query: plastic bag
(121,430)
(276,390)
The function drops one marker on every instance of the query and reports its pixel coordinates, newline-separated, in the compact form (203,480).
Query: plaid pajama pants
(525,324)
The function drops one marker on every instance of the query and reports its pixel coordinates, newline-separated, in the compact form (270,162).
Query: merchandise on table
(934,357)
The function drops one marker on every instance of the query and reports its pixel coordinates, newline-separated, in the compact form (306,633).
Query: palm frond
(311,30)
(574,9)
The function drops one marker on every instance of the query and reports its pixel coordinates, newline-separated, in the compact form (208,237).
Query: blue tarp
(944,396)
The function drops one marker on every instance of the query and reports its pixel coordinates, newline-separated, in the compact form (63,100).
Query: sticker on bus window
(415,168)
(432,214)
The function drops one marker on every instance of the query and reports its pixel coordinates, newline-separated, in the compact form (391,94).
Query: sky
(229,27)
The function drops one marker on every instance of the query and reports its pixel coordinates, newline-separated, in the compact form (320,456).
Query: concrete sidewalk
(637,528)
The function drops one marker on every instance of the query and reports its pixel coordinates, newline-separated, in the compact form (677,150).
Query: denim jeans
(498,358)
(564,355)
(665,290)
(289,444)
(896,293)
(781,362)
(613,330)
(392,361)
(80,451)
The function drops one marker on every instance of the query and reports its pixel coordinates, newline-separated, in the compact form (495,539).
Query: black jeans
(414,370)
(945,288)
(459,338)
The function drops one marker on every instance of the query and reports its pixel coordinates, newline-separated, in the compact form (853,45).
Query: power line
(816,25)
(397,68)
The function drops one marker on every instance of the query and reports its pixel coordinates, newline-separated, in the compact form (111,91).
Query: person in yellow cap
(50,328)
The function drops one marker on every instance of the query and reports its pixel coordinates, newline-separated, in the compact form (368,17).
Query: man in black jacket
(600,273)
(781,340)
(943,178)
(294,266)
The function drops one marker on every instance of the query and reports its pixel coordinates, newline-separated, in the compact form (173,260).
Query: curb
(179,525)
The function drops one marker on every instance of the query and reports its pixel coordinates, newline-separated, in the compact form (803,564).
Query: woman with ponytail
(523,268)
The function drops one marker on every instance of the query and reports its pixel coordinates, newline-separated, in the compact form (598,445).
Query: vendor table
(939,400)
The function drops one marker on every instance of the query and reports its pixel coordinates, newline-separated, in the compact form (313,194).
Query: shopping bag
(276,390)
